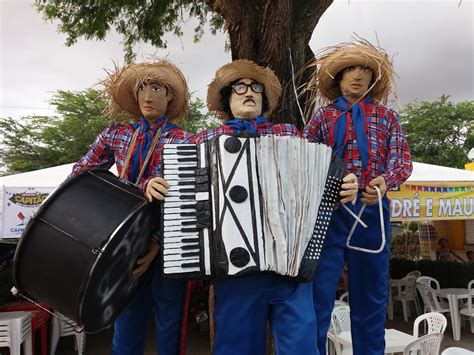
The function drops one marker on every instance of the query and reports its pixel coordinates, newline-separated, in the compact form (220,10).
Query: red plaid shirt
(283,129)
(389,155)
(112,144)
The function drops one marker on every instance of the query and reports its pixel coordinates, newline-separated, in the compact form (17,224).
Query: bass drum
(78,253)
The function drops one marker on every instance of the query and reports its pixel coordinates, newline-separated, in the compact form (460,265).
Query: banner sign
(19,205)
(432,201)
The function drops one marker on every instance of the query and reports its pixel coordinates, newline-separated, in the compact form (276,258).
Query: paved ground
(198,344)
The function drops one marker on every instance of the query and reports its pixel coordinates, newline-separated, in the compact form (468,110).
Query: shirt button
(355,141)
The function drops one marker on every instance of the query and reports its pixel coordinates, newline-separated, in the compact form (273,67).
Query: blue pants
(368,277)
(243,305)
(164,298)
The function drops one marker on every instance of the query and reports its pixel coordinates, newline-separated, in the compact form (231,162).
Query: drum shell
(68,247)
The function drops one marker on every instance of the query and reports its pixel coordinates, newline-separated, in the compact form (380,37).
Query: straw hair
(330,61)
(239,69)
(122,84)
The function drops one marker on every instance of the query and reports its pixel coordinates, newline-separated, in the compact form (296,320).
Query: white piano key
(181,163)
(179,270)
(179,258)
(171,234)
(179,204)
(178,228)
(173,246)
(176,145)
(180,222)
(176,177)
(181,187)
(179,199)
(177,216)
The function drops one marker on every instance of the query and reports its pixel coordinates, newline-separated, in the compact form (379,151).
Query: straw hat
(122,85)
(239,69)
(333,60)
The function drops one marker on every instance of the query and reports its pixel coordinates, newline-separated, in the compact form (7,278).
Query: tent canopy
(429,172)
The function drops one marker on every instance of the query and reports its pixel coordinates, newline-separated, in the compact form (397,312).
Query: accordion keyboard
(185,209)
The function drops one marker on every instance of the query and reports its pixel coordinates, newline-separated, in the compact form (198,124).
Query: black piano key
(186,159)
(189,223)
(193,191)
(190,265)
(186,207)
(185,152)
(183,183)
(184,255)
(182,168)
(187,197)
(186,147)
(186,175)
(189,247)
(189,240)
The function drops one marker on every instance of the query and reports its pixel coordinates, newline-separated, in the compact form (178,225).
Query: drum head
(112,286)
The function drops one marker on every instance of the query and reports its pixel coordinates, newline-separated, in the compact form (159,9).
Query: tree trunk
(270,32)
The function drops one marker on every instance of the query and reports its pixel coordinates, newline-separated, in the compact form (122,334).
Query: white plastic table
(453,295)
(20,327)
(395,341)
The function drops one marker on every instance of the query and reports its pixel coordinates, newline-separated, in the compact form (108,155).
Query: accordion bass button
(239,257)
(238,194)
(232,145)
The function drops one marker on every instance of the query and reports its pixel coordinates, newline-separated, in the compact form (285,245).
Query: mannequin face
(244,102)
(355,82)
(153,99)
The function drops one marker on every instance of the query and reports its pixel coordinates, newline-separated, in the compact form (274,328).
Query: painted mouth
(246,101)
(148,108)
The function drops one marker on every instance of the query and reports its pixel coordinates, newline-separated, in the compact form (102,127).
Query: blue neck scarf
(143,143)
(340,129)
(249,126)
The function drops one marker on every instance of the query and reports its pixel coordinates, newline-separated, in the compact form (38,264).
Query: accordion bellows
(240,205)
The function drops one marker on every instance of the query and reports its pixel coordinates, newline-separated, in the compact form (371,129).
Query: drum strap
(147,158)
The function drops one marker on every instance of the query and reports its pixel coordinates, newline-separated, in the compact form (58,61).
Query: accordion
(239,205)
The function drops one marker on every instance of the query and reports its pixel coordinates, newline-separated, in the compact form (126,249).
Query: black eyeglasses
(241,88)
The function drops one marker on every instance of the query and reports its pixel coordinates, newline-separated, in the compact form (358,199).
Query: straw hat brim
(239,69)
(363,55)
(122,88)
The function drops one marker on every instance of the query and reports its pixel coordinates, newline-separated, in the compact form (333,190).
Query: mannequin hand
(156,188)
(369,196)
(144,262)
(349,188)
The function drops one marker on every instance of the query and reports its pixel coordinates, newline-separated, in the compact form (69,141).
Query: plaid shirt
(283,129)
(112,144)
(389,155)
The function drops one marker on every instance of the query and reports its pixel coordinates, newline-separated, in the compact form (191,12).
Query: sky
(432,42)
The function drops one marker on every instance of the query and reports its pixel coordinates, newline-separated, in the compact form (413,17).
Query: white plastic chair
(430,300)
(429,281)
(456,351)
(469,310)
(406,292)
(340,322)
(15,331)
(434,284)
(436,323)
(429,344)
(415,273)
(61,328)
